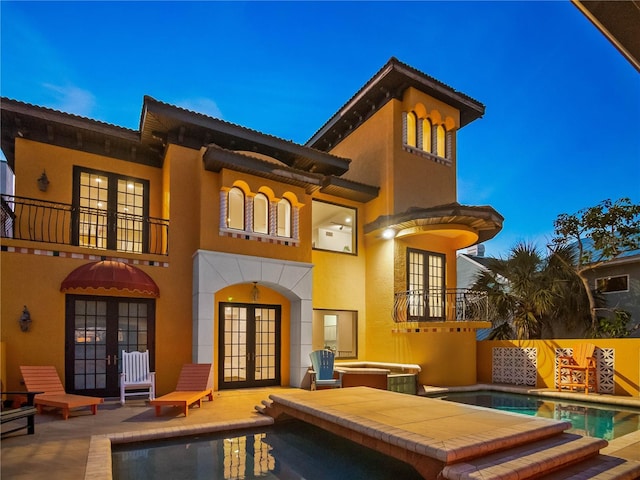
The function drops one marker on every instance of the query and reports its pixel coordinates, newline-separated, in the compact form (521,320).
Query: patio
(59,449)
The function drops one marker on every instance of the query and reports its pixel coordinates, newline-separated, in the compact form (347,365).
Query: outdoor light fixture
(43,181)
(255,293)
(389,233)
(25,320)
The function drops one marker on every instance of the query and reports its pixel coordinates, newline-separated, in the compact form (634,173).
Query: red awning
(111,276)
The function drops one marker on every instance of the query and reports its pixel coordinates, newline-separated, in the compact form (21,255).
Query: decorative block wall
(605,360)
(515,366)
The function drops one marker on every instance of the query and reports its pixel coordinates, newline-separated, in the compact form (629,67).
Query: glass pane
(261,214)
(333,227)
(235,218)
(284,218)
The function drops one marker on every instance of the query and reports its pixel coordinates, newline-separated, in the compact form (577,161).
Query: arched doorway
(214,271)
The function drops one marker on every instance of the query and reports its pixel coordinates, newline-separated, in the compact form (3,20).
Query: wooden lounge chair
(322,373)
(136,379)
(45,379)
(580,370)
(194,383)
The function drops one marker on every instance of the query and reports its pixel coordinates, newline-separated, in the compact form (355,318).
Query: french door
(97,330)
(249,345)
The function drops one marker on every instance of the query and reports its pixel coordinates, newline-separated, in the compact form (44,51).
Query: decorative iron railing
(440,305)
(23,218)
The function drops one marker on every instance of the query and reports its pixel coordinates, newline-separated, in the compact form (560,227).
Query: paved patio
(59,449)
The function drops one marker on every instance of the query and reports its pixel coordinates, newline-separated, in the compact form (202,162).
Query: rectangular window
(338,330)
(619,283)
(425,285)
(334,227)
(111,211)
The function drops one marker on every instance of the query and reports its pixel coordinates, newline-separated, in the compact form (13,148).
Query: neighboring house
(204,241)
(618,281)
(468,266)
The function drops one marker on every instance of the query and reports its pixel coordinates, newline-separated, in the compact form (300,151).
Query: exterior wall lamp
(389,233)
(43,181)
(25,320)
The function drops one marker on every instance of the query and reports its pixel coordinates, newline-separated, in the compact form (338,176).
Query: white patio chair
(136,376)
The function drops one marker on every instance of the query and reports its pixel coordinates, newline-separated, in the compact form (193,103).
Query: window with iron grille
(425,285)
(110,211)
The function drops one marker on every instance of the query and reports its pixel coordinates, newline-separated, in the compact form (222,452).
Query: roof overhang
(217,158)
(390,82)
(619,22)
(462,225)
(170,124)
(23,120)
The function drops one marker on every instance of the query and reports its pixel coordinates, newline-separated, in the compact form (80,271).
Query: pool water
(588,419)
(291,450)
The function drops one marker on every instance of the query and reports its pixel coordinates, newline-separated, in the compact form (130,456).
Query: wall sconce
(43,181)
(255,293)
(25,320)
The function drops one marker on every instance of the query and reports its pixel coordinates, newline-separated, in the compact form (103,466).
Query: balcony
(34,220)
(438,305)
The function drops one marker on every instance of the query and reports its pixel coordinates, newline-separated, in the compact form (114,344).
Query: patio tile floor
(59,449)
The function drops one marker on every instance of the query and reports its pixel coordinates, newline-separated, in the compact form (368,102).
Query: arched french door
(98,328)
(249,345)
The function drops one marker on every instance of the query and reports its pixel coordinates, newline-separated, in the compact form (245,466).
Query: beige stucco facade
(190,164)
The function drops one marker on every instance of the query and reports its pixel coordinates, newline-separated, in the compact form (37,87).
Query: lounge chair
(580,370)
(194,383)
(322,373)
(45,379)
(136,376)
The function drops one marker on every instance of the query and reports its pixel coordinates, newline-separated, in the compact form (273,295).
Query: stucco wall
(626,360)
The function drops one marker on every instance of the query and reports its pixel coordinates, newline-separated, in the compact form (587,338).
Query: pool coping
(602,398)
(99,461)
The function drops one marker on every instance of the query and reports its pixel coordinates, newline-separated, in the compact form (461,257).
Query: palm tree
(530,294)
(572,308)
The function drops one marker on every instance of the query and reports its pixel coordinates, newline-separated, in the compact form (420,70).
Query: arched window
(426,135)
(412,121)
(440,141)
(235,212)
(284,218)
(261,213)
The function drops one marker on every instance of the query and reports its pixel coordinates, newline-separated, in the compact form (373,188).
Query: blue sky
(562,125)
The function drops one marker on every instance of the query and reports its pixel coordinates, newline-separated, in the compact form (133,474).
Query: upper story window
(422,134)
(334,227)
(440,141)
(261,213)
(284,218)
(618,283)
(426,134)
(411,133)
(235,209)
(111,211)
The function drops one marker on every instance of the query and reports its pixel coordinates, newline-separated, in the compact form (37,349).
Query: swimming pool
(287,450)
(588,419)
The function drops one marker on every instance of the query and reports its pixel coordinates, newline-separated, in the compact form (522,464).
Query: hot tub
(396,377)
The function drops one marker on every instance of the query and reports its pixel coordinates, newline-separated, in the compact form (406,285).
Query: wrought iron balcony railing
(439,305)
(35,220)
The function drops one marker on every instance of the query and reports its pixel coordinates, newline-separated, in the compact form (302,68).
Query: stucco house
(205,241)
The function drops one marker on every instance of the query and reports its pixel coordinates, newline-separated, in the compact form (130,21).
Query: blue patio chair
(322,373)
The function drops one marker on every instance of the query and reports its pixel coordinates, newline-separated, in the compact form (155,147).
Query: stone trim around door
(213,271)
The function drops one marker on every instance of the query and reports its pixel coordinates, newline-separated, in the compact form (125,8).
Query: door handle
(115,360)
